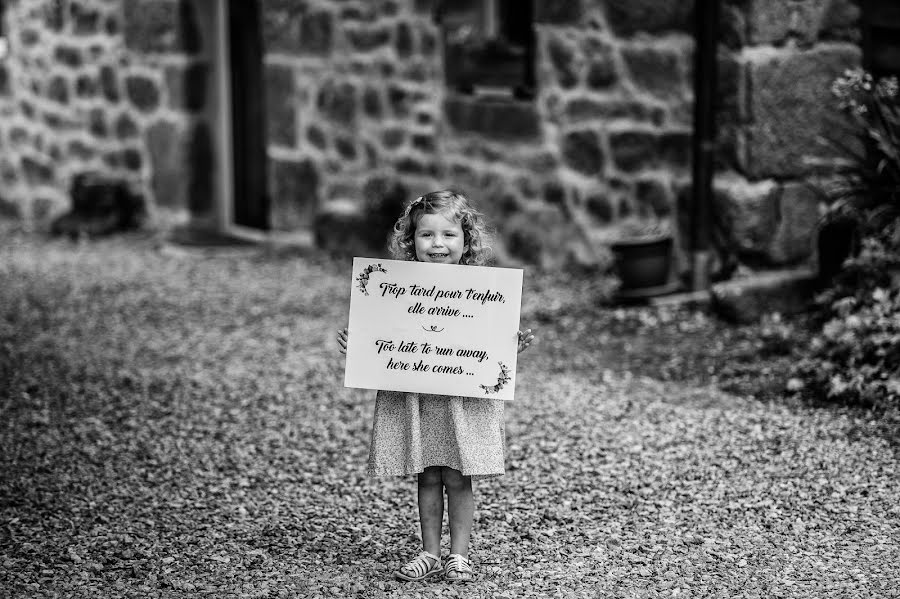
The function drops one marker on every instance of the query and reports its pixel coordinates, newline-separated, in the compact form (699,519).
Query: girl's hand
(525,339)
(342,340)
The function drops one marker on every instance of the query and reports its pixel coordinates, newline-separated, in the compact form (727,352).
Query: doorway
(248,125)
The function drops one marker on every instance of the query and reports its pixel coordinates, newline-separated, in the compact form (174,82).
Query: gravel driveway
(173,423)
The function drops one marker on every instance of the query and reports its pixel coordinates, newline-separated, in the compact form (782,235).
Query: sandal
(425,565)
(458,569)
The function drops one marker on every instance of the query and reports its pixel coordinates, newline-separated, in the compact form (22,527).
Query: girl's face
(439,239)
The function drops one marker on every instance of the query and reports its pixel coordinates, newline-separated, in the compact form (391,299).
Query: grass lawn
(173,424)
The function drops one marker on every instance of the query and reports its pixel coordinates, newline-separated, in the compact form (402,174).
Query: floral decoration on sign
(501,380)
(363,279)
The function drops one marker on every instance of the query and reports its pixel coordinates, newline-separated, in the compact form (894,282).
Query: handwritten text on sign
(443,329)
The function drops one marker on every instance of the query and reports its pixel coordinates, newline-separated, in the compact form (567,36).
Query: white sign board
(444,329)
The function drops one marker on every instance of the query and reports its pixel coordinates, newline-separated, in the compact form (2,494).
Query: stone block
(399,100)
(424,143)
(97,122)
(142,92)
(790,107)
(54,15)
(582,152)
(337,101)
(151,25)
(799,212)
(675,149)
(346,147)
(841,21)
(773,21)
(748,213)
(393,137)
(601,65)
(281,25)
(111,25)
(58,90)
(78,150)
(562,58)
(413,166)
(366,39)
(599,207)
(4,81)
(10,209)
(125,127)
(558,12)
(627,17)
(295,193)
(634,150)
(316,33)
(372,104)
(109,83)
(769,21)
(656,70)
(281,116)
(167,150)
(68,56)
(316,137)
(85,86)
(732,24)
(85,21)
(403,40)
(131,159)
(495,118)
(37,172)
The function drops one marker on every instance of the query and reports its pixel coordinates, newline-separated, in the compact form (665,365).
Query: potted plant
(642,253)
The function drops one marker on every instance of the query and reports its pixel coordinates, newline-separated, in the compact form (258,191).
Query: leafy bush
(856,355)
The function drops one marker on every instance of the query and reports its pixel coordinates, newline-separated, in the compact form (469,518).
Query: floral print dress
(412,431)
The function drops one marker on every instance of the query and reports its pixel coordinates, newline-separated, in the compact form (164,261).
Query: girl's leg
(431,508)
(460,509)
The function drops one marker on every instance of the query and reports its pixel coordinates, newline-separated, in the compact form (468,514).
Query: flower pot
(643,263)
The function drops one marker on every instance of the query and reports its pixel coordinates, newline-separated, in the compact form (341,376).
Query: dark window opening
(881,37)
(489,46)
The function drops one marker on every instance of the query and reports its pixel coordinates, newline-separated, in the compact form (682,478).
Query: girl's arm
(525,339)
(342,340)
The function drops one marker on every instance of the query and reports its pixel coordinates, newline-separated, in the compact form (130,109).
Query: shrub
(856,354)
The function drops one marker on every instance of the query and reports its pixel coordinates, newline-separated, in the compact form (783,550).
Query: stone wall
(608,134)
(776,76)
(117,87)
(357,104)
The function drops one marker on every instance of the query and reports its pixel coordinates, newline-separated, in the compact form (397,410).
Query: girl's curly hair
(402,243)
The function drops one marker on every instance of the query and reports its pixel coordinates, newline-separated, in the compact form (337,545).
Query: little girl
(445,441)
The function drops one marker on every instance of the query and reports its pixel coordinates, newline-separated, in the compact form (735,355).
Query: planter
(643,265)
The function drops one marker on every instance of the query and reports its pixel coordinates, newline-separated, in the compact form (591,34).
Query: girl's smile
(439,239)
